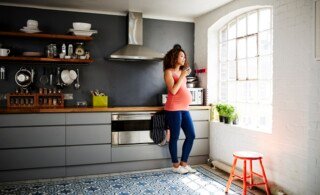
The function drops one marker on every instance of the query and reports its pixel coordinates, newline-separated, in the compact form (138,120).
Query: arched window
(246,67)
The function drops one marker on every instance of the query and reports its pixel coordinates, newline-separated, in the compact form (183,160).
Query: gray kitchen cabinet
(88,118)
(32,158)
(88,138)
(17,120)
(91,154)
(36,145)
(23,137)
(151,151)
(197,115)
(88,134)
(200,147)
(138,152)
(201,129)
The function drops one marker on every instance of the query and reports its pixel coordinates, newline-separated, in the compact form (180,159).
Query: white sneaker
(180,170)
(189,169)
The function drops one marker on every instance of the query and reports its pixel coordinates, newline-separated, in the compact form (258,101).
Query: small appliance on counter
(192,82)
(196,93)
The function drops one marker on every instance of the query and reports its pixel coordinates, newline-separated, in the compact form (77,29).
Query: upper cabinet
(45,36)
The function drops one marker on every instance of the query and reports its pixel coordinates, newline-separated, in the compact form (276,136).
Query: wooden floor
(237,182)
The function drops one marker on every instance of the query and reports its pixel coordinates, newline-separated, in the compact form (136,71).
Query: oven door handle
(130,117)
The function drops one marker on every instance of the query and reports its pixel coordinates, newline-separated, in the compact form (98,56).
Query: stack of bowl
(82,29)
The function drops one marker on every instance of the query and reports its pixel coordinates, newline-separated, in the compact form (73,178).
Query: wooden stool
(250,156)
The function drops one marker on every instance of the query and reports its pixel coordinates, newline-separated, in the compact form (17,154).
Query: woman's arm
(174,87)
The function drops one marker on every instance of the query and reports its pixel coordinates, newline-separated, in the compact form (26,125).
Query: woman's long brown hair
(171,57)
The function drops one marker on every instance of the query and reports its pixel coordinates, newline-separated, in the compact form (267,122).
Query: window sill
(238,127)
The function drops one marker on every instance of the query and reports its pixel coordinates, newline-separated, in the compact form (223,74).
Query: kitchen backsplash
(126,83)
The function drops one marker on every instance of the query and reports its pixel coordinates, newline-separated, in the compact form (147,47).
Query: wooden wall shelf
(43,59)
(35,100)
(45,36)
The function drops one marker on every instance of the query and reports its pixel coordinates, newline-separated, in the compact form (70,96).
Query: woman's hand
(185,72)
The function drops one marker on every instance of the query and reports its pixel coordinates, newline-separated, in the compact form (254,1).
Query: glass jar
(51,51)
(79,50)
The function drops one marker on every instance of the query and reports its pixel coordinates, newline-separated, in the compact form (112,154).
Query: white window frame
(244,118)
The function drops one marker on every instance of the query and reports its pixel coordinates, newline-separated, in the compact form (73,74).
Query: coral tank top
(181,100)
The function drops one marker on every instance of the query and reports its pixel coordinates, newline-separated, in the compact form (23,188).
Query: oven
(131,128)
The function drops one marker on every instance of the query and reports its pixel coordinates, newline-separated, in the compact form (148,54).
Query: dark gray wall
(126,83)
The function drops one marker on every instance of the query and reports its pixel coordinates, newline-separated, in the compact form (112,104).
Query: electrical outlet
(68,96)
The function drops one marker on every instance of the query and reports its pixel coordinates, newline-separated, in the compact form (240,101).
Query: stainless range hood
(135,49)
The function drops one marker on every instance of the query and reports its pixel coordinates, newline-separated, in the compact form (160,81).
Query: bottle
(55,50)
(70,50)
(63,49)
(213,114)
(2,73)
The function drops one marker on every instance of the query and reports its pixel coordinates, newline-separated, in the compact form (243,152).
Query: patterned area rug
(159,181)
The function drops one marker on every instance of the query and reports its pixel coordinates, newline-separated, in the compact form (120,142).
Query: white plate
(86,33)
(92,31)
(31,53)
(65,76)
(26,30)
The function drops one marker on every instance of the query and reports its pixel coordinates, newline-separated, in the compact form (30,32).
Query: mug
(4,52)
(32,24)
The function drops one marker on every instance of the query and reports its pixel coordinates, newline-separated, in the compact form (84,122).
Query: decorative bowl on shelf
(81,26)
(30,30)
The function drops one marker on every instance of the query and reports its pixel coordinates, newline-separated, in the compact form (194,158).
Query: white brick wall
(292,151)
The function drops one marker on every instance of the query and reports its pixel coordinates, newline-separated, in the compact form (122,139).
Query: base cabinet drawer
(80,155)
(16,120)
(88,134)
(32,158)
(201,129)
(152,151)
(88,118)
(140,152)
(23,137)
(200,147)
(198,115)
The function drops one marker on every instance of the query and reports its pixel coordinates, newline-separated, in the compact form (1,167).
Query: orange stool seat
(248,156)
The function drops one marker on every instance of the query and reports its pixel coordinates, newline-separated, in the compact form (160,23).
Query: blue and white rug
(159,181)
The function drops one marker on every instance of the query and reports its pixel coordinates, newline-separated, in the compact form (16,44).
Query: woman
(176,69)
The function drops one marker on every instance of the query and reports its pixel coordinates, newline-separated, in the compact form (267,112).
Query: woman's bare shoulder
(168,72)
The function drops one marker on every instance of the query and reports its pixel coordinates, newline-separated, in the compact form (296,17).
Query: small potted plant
(229,111)
(221,108)
(235,118)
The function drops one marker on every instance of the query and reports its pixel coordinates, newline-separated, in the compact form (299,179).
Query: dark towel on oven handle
(158,129)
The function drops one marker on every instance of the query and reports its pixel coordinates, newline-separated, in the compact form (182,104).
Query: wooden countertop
(89,109)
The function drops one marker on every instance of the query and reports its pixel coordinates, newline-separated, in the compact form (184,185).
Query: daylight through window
(246,68)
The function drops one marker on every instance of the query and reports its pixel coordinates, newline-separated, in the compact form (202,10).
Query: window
(245,48)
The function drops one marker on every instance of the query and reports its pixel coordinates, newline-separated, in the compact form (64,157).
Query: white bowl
(32,24)
(81,26)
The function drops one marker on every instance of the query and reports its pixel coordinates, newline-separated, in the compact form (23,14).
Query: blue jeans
(176,120)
